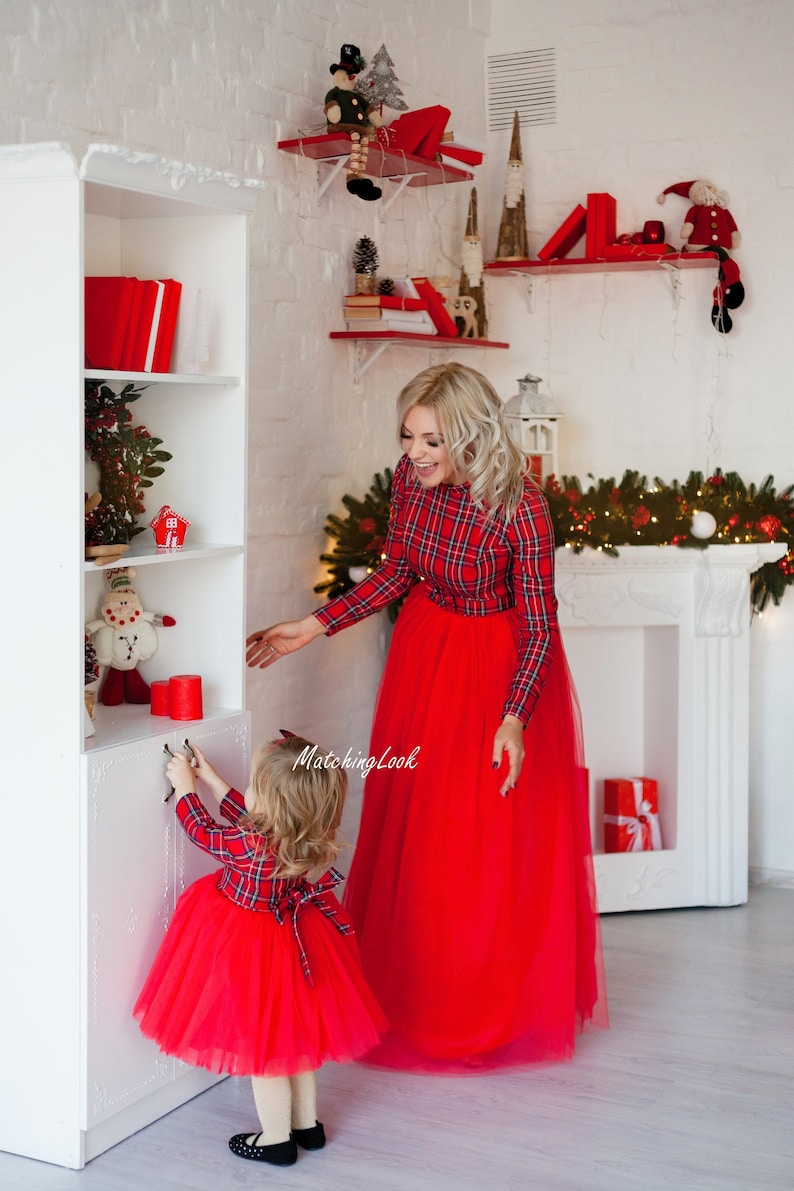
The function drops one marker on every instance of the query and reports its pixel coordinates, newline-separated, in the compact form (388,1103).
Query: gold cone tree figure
(512,243)
(470,312)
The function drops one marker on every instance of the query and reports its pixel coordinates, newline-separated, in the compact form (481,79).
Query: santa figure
(709,227)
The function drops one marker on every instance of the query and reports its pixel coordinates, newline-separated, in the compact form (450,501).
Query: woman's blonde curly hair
(297,805)
(470,417)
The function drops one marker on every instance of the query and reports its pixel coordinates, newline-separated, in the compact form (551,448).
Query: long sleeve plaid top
(471,566)
(247,875)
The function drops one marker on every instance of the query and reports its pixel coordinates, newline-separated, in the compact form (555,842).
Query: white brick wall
(650,94)
(218,85)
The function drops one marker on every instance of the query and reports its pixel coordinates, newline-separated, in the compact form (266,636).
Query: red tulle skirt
(475,914)
(227,991)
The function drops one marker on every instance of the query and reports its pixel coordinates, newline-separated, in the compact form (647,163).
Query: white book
(413,320)
(158,309)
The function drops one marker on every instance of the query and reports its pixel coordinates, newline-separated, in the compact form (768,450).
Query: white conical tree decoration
(512,244)
(471,273)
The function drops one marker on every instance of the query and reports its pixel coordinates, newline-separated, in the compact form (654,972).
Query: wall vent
(523,82)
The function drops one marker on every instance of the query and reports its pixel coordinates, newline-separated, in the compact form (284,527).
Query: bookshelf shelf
(159,378)
(391,165)
(370,345)
(679,260)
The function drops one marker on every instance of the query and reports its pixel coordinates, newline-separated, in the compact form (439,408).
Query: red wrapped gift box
(631,815)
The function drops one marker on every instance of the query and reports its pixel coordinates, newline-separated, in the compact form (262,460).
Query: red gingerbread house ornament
(169,529)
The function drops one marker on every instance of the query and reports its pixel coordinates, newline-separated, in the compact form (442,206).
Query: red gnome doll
(710,227)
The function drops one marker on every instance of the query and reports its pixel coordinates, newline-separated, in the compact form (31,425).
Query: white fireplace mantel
(658,640)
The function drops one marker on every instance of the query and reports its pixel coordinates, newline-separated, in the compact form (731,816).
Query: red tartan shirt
(247,874)
(470,565)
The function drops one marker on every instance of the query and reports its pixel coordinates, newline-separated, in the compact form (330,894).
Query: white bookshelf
(94,860)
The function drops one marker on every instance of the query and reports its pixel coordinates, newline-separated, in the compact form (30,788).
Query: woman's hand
(509,739)
(267,645)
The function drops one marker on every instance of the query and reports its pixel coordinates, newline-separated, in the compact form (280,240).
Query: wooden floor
(693,1087)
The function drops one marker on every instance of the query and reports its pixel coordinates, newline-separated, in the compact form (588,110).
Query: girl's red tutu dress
(475,914)
(256,975)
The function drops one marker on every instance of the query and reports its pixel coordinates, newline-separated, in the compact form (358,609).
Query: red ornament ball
(769,526)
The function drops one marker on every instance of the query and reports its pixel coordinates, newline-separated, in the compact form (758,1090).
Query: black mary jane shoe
(283,1153)
(310,1139)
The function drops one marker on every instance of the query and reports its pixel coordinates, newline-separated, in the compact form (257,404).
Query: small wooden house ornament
(169,529)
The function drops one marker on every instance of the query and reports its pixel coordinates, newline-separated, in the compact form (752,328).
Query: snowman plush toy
(123,637)
(347,111)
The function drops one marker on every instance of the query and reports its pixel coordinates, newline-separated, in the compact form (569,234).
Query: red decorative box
(631,815)
(600,224)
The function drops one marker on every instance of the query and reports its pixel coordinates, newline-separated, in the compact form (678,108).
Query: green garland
(603,516)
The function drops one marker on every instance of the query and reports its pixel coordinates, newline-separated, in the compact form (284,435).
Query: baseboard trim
(780,877)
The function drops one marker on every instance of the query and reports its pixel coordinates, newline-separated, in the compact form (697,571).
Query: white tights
(283,1103)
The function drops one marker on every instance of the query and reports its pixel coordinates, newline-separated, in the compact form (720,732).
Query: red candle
(161,698)
(185,691)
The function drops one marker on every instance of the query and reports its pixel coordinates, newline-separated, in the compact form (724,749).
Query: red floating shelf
(685,260)
(381,162)
(408,336)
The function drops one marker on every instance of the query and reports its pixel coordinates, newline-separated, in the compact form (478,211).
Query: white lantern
(532,420)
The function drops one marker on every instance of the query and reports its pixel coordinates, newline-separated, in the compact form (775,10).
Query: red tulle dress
(475,914)
(256,975)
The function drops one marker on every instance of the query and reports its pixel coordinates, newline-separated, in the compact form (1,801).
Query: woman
(471,889)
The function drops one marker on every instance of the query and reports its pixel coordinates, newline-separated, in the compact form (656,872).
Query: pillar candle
(161,698)
(186,703)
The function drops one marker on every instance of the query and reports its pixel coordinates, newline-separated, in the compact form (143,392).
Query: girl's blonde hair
(297,806)
(470,416)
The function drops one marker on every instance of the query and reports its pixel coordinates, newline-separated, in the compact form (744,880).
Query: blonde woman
(258,973)
(471,889)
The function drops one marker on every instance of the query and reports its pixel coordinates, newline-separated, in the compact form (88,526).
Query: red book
(436,307)
(128,351)
(167,328)
(385,301)
(107,309)
(143,329)
(601,225)
(566,235)
(456,153)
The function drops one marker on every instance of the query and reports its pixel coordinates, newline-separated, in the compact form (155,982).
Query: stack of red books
(130,324)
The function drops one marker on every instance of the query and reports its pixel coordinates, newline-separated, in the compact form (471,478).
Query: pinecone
(386,286)
(365,256)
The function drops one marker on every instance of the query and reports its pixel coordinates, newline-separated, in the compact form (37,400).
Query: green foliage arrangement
(604,515)
(128,457)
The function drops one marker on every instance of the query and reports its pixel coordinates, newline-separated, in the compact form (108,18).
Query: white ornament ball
(704,525)
(357,573)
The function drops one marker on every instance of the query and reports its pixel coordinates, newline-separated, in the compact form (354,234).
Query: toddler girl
(258,973)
